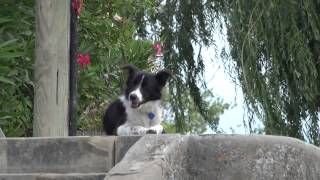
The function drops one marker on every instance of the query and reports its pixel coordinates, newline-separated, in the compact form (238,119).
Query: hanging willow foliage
(275,45)
(274,54)
(182,25)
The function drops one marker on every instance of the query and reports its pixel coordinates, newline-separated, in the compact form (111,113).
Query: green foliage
(275,55)
(114,43)
(275,47)
(16,60)
(194,123)
(111,44)
(181,25)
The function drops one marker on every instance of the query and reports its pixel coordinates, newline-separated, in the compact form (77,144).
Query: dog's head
(143,87)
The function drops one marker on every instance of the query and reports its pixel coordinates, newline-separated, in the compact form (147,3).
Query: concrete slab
(122,145)
(152,157)
(2,134)
(251,157)
(57,155)
(74,176)
(216,157)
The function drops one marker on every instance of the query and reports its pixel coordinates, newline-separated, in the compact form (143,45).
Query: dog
(138,111)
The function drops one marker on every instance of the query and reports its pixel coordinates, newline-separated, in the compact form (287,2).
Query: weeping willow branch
(272,43)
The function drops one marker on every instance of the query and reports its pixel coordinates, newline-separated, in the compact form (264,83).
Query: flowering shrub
(83,60)
(77,6)
(108,36)
(158,49)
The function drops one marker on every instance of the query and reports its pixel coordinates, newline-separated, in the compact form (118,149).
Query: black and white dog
(138,111)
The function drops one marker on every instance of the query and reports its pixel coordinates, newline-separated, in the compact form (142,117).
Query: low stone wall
(159,157)
(218,157)
(1,134)
(62,157)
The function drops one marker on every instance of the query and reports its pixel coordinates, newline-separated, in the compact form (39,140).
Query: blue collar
(151,115)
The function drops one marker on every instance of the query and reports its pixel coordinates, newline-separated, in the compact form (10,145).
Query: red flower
(159,49)
(77,6)
(83,60)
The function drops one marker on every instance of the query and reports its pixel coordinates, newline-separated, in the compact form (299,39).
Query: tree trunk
(52,68)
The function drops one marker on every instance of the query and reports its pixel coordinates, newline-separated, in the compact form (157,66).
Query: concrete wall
(218,157)
(1,134)
(159,157)
(61,158)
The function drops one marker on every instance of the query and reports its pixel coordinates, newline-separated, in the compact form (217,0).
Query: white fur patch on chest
(147,115)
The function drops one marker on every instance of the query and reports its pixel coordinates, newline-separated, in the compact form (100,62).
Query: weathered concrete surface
(159,157)
(122,144)
(1,134)
(216,157)
(152,157)
(73,176)
(57,155)
(251,157)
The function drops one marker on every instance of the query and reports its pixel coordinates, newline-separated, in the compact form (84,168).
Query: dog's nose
(133,97)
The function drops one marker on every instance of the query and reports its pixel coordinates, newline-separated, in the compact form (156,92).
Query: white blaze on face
(137,91)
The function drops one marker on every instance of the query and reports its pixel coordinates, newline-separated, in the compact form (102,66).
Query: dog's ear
(163,76)
(130,68)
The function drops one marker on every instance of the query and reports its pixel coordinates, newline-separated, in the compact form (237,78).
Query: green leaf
(4,20)
(4,68)
(5,115)
(6,43)
(9,55)
(6,80)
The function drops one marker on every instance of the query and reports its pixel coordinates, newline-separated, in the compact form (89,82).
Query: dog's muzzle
(135,103)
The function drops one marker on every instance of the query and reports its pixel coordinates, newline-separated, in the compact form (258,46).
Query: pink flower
(159,49)
(83,60)
(77,6)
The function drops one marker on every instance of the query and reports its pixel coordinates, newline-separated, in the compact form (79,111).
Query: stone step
(2,134)
(61,155)
(241,157)
(57,155)
(51,176)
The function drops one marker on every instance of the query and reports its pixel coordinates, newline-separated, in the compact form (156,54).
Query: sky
(222,86)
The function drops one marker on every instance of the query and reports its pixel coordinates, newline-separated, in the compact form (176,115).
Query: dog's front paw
(155,130)
(131,130)
(138,130)
(151,131)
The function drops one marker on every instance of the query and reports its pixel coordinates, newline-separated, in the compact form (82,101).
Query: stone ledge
(50,176)
(122,144)
(159,157)
(2,134)
(57,155)
(218,157)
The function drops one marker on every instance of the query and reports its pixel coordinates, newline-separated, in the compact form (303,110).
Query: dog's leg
(157,129)
(131,130)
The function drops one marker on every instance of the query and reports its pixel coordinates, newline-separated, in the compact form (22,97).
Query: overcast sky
(221,85)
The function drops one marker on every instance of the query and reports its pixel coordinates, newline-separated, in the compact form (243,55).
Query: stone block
(122,145)
(218,157)
(153,157)
(251,157)
(2,134)
(57,155)
(74,176)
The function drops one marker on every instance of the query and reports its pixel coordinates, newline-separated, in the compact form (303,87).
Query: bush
(110,44)
(16,67)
